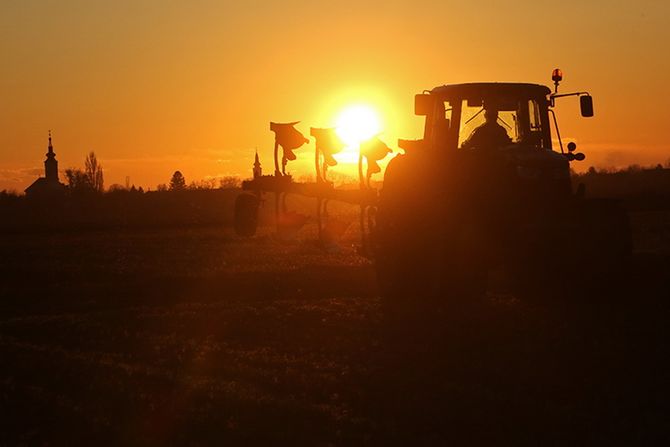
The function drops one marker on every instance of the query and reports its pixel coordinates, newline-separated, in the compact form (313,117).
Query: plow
(323,190)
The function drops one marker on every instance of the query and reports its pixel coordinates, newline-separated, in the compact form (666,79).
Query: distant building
(49,184)
(257,167)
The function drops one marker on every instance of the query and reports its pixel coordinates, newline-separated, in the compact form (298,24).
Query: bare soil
(196,337)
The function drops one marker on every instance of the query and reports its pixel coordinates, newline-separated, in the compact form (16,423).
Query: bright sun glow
(357,123)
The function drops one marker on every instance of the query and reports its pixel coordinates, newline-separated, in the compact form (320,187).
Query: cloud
(194,154)
(619,156)
(19,178)
(20,174)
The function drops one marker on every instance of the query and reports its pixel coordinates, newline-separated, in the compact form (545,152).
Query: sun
(357,123)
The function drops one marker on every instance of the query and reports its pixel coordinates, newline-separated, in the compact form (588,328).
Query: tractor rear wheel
(420,270)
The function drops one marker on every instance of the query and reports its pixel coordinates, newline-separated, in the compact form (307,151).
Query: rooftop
(491,89)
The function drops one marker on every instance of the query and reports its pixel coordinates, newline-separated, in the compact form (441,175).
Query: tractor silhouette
(486,191)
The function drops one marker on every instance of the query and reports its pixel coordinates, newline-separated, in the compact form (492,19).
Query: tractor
(485,194)
(484,197)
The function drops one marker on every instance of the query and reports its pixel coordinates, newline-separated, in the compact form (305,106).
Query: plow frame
(366,197)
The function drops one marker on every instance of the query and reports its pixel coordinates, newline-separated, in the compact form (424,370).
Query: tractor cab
(516,114)
(456,114)
(504,128)
(487,194)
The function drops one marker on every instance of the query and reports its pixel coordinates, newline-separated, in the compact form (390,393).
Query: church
(48,185)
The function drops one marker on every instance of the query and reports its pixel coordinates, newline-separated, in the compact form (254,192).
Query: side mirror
(578,156)
(586,105)
(423,105)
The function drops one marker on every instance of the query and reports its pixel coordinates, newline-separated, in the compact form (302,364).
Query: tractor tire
(246,215)
(419,272)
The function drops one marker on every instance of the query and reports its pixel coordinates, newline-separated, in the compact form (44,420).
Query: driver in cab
(489,135)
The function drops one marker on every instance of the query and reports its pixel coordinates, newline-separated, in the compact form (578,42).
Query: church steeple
(257,166)
(51,164)
(51,148)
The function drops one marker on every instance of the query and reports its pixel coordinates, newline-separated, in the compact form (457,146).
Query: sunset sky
(156,86)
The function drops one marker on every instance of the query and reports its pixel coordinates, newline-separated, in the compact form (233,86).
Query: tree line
(91,179)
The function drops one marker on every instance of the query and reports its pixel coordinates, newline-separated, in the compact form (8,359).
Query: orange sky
(155,86)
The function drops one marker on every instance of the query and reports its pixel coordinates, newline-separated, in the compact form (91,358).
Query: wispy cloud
(18,178)
(20,174)
(617,155)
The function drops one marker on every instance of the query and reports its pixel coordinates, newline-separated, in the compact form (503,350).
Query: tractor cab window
(442,122)
(477,117)
(447,112)
(534,135)
(534,116)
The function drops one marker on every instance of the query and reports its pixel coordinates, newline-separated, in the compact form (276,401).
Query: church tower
(47,186)
(51,164)
(257,167)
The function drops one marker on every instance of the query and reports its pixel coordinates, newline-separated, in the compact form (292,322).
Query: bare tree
(93,171)
(209,183)
(229,182)
(203,184)
(77,180)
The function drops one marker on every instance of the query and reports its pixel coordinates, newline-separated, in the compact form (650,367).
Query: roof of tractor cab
(491,89)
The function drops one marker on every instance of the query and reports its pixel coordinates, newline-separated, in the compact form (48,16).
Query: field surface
(193,336)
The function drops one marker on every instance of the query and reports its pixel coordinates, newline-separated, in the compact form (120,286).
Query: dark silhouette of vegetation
(93,171)
(177,182)
(200,203)
(88,180)
(77,180)
(203,184)
(638,187)
(229,182)
(4,194)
